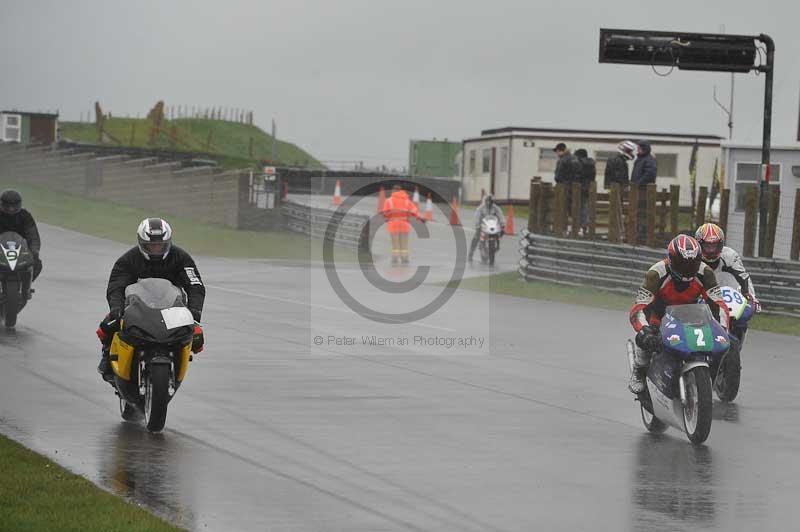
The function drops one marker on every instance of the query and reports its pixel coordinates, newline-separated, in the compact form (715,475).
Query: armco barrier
(621,268)
(351,230)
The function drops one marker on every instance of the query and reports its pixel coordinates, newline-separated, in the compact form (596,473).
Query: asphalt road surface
(426,429)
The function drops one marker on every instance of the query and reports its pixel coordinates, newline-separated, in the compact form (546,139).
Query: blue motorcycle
(678,389)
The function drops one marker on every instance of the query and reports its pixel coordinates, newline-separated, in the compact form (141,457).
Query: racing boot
(636,382)
(104,367)
(641,360)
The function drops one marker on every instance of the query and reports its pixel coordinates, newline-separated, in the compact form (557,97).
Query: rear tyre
(11,304)
(651,422)
(697,410)
(156,397)
(731,376)
(128,411)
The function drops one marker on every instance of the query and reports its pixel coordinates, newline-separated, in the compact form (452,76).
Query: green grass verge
(37,494)
(118,222)
(229,141)
(510,283)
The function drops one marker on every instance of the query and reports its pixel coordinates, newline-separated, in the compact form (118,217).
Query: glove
(755,304)
(199,340)
(648,338)
(109,325)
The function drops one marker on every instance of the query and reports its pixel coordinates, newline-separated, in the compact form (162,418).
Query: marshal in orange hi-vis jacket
(397,210)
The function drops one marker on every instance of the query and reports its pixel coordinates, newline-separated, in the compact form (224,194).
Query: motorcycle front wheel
(11,304)
(156,397)
(697,410)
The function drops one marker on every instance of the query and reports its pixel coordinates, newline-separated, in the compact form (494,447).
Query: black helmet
(155,238)
(10,202)
(684,258)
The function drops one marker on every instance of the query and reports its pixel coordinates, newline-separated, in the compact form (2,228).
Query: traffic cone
(381,199)
(454,212)
(428,209)
(337,193)
(510,221)
(415,199)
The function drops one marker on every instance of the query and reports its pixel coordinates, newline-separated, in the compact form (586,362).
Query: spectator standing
(644,172)
(566,169)
(617,166)
(587,173)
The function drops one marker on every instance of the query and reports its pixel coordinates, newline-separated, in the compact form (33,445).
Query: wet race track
(530,429)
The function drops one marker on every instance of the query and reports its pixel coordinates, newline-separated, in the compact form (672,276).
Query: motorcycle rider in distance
(679,279)
(14,218)
(154,257)
(487,208)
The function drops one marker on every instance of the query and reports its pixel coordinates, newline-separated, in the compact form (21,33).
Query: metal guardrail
(621,268)
(351,230)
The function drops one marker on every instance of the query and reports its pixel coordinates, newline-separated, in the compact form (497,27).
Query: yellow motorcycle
(151,353)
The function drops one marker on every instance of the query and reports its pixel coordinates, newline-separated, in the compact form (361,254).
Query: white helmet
(627,149)
(155,238)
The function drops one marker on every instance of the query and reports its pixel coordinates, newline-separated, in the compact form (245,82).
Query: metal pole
(730,116)
(763,180)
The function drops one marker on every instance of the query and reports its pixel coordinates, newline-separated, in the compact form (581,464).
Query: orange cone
(510,221)
(337,193)
(415,199)
(428,209)
(454,212)
(381,199)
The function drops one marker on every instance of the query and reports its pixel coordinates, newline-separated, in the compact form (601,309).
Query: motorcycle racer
(679,279)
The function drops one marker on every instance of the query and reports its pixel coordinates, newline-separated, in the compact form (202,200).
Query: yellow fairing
(186,353)
(123,353)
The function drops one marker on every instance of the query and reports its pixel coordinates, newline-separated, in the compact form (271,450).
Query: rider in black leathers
(14,218)
(154,257)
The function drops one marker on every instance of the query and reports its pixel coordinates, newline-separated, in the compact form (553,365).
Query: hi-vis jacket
(397,209)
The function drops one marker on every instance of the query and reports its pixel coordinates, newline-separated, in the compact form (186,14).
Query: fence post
(750,207)
(651,214)
(614,213)
(533,210)
(592,208)
(661,225)
(545,215)
(772,223)
(674,208)
(560,210)
(700,207)
(576,210)
(794,254)
(133,134)
(633,214)
(724,202)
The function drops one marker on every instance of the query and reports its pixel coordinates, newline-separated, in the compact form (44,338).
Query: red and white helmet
(711,238)
(684,257)
(155,238)
(627,149)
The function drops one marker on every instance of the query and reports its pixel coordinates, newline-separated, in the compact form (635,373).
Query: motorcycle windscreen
(14,251)
(691,329)
(155,312)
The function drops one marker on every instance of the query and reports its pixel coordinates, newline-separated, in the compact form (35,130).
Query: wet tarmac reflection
(146,467)
(673,480)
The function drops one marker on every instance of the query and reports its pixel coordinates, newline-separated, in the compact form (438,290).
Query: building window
(667,165)
(486,165)
(747,178)
(504,159)
(471,162)
(601,158)
(12,130)
(547,160)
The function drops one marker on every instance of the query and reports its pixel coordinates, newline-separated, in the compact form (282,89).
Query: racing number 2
(701,342)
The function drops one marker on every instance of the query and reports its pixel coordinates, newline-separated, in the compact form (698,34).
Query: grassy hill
(230,141)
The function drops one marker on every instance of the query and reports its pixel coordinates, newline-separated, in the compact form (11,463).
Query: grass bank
(119,222)
(510,283)
(37,494)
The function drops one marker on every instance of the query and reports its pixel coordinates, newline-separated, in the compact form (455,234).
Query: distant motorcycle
(489,242)
(727,374)
(16,275)
(679,379)
(151,353)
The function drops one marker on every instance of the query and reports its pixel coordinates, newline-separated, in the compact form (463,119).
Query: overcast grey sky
(357,79)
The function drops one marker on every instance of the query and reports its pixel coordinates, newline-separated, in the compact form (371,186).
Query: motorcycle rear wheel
(128,411)
(156,397)
(731,376)
(651,422)
(11,304)
(697,410)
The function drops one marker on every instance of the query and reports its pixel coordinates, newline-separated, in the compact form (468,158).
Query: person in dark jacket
(644,173)
(587,172)
(645,168)
(14,218)
(617,166)
(567,165)
(154,257)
